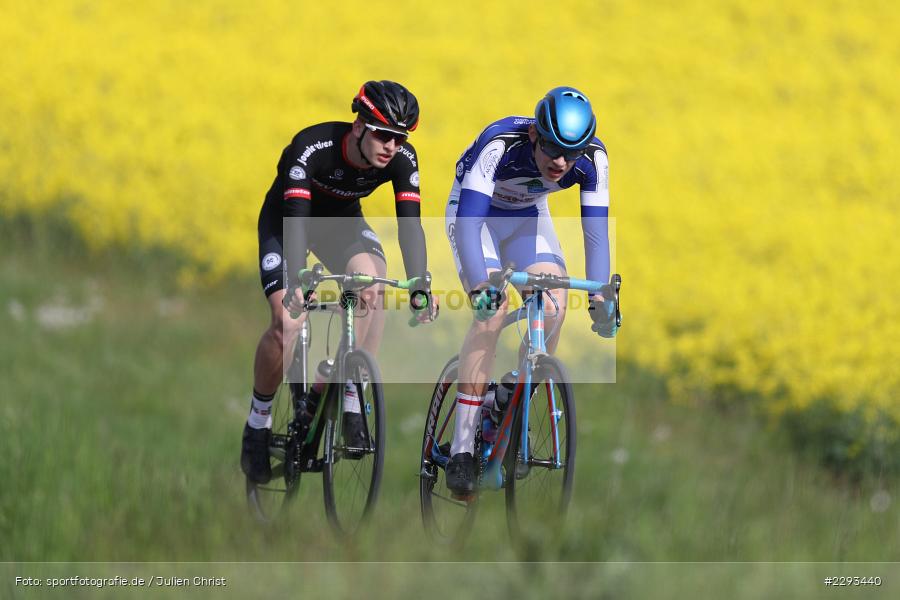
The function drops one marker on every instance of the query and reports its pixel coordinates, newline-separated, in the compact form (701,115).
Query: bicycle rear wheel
(266,501)
(352,475)
(539,486)
(446,520)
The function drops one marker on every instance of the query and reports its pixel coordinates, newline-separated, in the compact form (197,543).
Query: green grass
(121,443)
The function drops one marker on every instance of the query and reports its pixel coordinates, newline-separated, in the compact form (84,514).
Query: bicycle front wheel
(539,483)
(353,465)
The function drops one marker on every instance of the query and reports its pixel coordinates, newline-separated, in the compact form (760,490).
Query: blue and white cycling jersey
(497,177)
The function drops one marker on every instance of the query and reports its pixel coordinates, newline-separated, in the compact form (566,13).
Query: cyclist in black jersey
(324,172)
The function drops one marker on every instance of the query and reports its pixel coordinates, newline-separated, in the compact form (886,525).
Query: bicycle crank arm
(312,465)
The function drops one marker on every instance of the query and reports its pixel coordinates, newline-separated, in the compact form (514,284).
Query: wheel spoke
(539,500)
(353,477)
(267,501)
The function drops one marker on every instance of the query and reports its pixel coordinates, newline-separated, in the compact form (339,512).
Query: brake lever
(500,279)
(617,283)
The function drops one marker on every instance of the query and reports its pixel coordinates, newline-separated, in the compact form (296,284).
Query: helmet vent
(571,94)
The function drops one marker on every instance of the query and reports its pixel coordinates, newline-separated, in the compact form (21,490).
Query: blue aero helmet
(564,117)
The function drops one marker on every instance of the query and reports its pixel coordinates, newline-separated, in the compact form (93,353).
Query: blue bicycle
(532,453)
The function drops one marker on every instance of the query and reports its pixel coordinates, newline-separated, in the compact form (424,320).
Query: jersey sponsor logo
(318,145)
(340,193)
(535,186)
(271,261)
(297,173)
(411,196)
(369,234)
(451,235)
(408,154)
(414,179)
(460,169)
(338,175)
(272,283)
(522,121)
(490,158)
(510,199)
(297,193)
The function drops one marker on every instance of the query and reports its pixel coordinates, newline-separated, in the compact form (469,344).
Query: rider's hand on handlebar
(294,301)
(602,309)
(486,300)
(423,304)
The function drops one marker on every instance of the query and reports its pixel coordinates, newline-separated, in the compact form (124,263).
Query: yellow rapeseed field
(753,150)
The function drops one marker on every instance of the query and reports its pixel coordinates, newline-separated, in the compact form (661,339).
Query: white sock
(260,413)
(351,400)
(468,408)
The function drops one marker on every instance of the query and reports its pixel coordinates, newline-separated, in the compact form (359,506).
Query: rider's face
(552,169)
(378,146)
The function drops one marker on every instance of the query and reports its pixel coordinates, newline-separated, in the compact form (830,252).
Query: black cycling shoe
(255,454)
(354,432)
(461,474)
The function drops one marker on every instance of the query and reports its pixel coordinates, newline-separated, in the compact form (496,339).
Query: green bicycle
(307,427)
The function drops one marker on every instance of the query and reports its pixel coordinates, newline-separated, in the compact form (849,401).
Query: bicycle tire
(537,493)
(352,482)
(447,521)
(267,501)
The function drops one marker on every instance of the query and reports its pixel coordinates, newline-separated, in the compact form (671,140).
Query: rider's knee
(554,315)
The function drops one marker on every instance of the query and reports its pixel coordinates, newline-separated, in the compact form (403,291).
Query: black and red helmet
(387,103)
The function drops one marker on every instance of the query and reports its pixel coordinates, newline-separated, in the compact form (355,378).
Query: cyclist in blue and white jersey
(498,214)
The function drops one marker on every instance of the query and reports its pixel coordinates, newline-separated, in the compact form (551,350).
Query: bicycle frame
(492,477)
(346,345)
(349,301)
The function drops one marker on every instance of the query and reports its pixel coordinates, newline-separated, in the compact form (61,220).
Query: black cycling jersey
(316,179)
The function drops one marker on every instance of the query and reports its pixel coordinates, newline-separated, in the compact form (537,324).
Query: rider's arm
(477,187)
(405,179)
(595,213)
(471,213)
(297,208)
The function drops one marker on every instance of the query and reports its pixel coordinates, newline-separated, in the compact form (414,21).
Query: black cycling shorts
(333,241)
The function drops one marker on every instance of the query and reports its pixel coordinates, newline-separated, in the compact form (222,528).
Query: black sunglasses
(553,151)
(384,135)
